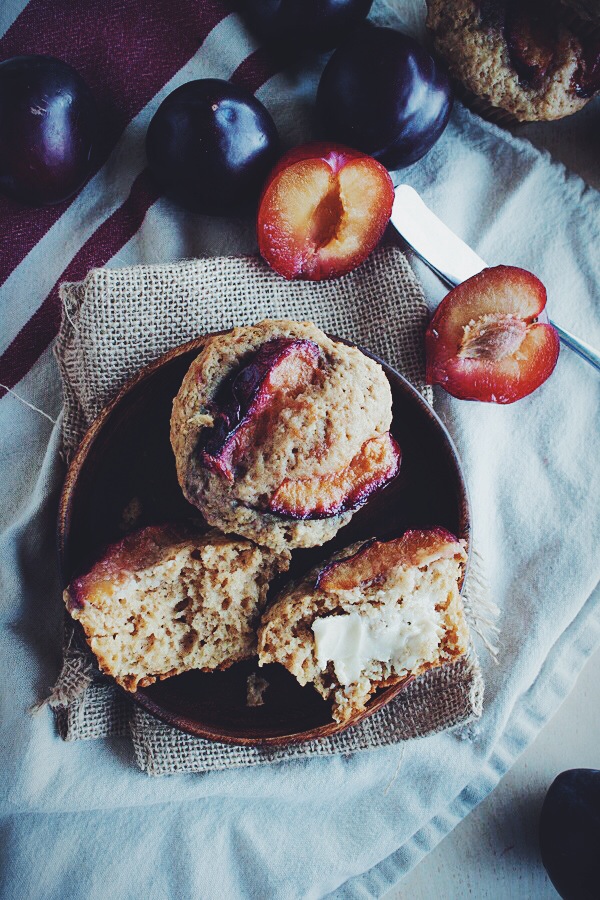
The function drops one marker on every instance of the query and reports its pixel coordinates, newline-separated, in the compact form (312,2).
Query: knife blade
(453,260)
(433,242)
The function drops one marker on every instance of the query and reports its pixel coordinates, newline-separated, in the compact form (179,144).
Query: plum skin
(49,130)
(298,25)
(210,146)
(570,833)
(382,93)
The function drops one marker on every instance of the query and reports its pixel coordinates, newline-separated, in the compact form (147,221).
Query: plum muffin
(517,55)
(165,600)
(377,614)
(280,433)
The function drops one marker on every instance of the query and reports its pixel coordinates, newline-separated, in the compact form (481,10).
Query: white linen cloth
(79,820)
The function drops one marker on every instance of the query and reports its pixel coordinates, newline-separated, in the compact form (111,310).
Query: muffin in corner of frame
(516,60)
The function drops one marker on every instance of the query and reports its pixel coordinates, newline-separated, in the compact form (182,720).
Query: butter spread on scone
(378,613)
(165,600)
(281,433)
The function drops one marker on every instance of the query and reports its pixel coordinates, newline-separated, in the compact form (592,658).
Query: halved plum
(484,341)
(376,463)
(250,400)
(324,209)
(375,558)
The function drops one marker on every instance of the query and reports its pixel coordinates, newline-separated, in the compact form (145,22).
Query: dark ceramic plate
(126,456)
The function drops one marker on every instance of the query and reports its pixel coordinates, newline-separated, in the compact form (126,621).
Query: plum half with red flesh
(376,463)
(323,210)
(374,559)
(484,341)
(251,398)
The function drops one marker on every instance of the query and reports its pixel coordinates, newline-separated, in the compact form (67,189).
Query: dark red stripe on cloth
(101,246)
(256,70)
(107,240)
(126,50)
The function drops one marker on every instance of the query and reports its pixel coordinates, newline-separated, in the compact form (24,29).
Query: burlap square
(117,321)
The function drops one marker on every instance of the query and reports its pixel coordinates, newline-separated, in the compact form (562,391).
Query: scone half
(166,600)
(376,614)
(280,434)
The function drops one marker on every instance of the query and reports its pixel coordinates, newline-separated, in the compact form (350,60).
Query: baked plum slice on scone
(532,40)
(379,613)
(485,342)
(168,599)
(250,400)
(323,210)
(539,44)
(280,433)
(376,463)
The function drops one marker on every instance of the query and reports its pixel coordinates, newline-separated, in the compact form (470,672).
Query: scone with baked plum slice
(168,599)
(522,56)
(280,433)
(376,614)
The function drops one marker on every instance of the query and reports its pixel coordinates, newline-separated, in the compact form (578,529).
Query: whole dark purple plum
(304,24)
(382,93)
(211,145)
(570,834)
(49,130)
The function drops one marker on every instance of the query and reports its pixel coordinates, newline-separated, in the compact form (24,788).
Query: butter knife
(453,260)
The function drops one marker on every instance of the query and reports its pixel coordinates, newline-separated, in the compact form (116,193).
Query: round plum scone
(522,56)
(280,434)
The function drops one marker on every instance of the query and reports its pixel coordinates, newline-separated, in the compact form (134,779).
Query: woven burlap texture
(118,320)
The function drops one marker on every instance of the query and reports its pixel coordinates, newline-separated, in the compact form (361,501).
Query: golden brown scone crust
(351,405)
(469,35)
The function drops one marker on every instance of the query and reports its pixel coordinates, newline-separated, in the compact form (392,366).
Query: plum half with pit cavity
(484,341)
(323,210)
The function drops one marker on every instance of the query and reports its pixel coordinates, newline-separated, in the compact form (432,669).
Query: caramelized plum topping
(371,563)
(250,401)
(377,462)
(587,77)
(531,38)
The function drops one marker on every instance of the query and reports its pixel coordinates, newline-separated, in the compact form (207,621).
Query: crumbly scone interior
(410,621)
(196,607)
(470,36)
